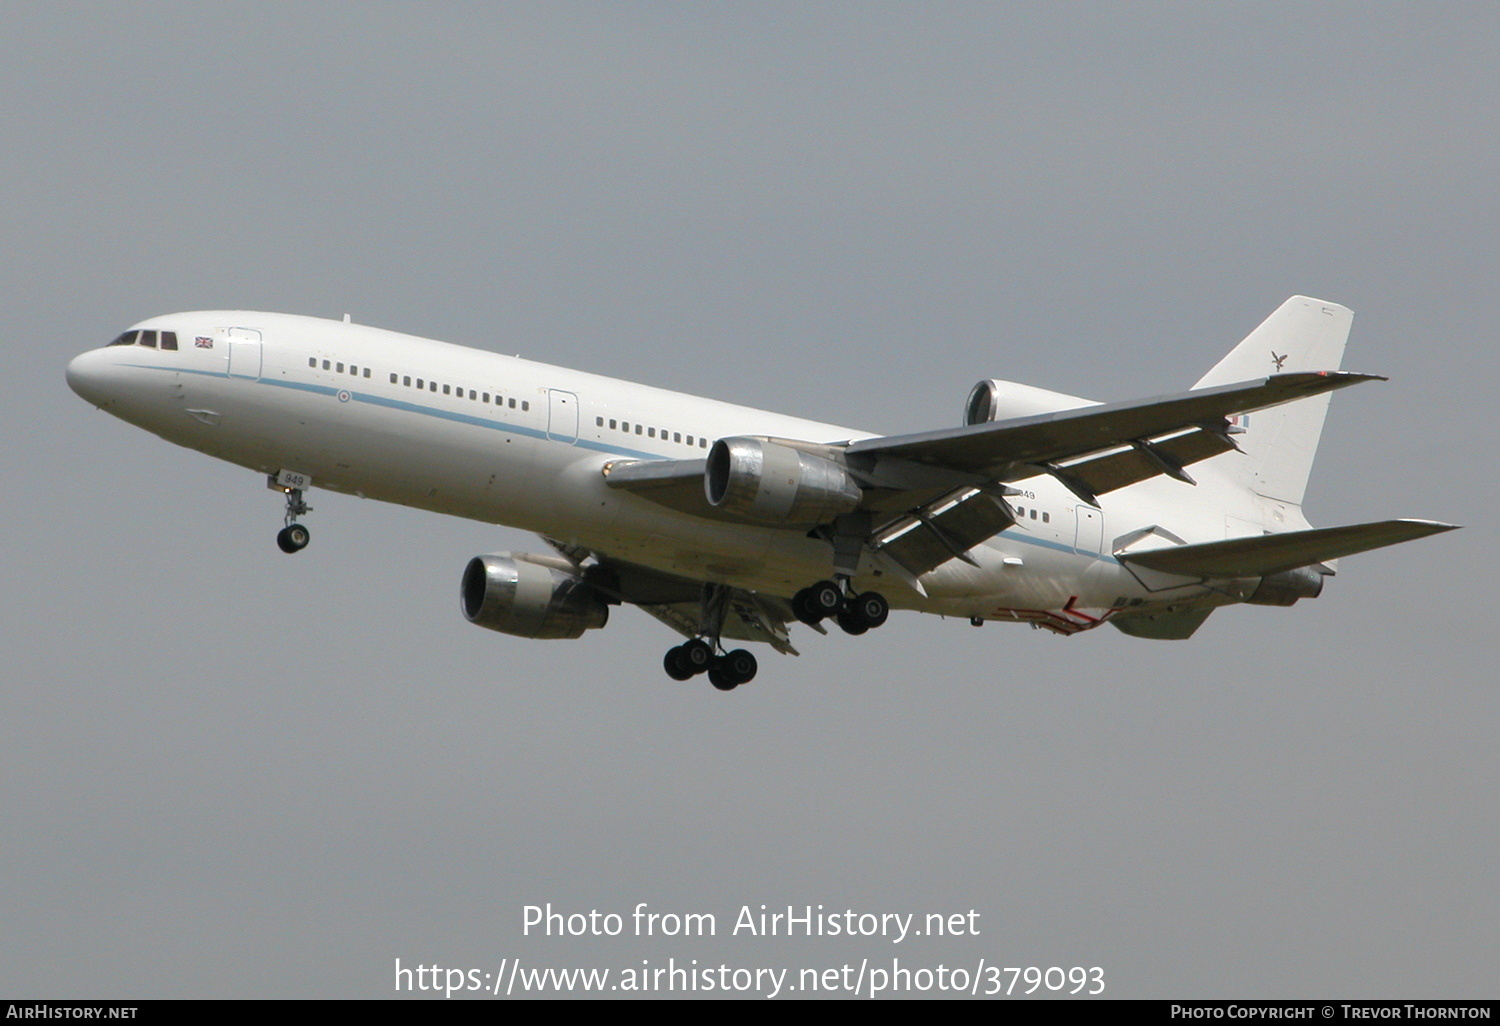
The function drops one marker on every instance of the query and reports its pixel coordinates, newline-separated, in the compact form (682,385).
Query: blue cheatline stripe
(464,418)
(401,404)
(1011,535)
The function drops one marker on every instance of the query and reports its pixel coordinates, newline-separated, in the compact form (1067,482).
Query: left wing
(1091,450)
(1097,449)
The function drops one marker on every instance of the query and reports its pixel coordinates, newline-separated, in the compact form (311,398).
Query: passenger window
(445,390)
(525,405)
(420,384)
(612,425)
(148,338)
(312,361)
(703,443)
(651,432)
(341,368)
(1033,514)
(127,339)
(1046,518)
(598,422)
(367,372)
(325,364)
(486,397)
(637,429)
(432,386)
(676,436)
(169,340)
(406,379)
(625,426)
(393,379)
(473,394)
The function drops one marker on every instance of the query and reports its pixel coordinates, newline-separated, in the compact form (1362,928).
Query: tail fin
(1280,443)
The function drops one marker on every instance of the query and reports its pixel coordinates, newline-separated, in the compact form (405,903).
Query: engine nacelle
(1287,587)
(763,480)
(517,596)
(1003,400)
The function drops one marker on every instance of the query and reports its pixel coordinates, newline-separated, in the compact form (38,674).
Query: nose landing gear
(293,537)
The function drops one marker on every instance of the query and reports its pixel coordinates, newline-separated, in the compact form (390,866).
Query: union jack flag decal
(203,342)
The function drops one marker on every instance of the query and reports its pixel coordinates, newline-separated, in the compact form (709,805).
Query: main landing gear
(855,614)
(705,653)
(293,537)
(726,672)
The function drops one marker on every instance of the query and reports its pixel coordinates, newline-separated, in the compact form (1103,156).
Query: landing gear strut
(293,537)
(726,670)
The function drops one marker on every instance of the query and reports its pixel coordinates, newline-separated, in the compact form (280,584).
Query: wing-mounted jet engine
(531,596)
(773,482)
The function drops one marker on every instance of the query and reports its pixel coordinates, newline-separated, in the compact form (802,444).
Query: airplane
(730,524)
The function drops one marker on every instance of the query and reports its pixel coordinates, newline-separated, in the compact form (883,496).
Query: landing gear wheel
(730,671)
(697,655)
(824,599)
(741,665)
(293,538)
(872,608)
(676,666)
(802,609)
(852,623)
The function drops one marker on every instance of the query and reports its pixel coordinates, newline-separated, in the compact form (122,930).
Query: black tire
(802,609)
(851,623)
(741,666)
(872,608)
(825,599)
(697,655)
(675,665)
(293,538)
(719,677)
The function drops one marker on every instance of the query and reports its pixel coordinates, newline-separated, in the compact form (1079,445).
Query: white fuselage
(510,441)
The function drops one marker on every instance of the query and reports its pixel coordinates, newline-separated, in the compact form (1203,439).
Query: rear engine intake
(762,480)
(514,595)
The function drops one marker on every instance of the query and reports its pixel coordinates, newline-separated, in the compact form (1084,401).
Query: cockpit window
(147,337)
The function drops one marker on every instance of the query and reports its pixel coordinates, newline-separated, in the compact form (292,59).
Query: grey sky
(232,773)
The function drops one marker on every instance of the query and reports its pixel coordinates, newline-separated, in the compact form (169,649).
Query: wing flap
(1125,465)
(748,617)
(946,529)
(1273,553)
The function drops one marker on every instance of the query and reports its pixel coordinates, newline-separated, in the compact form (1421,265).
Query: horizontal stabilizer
(1273,553)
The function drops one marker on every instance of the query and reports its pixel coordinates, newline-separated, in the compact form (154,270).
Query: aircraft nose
(88,375)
